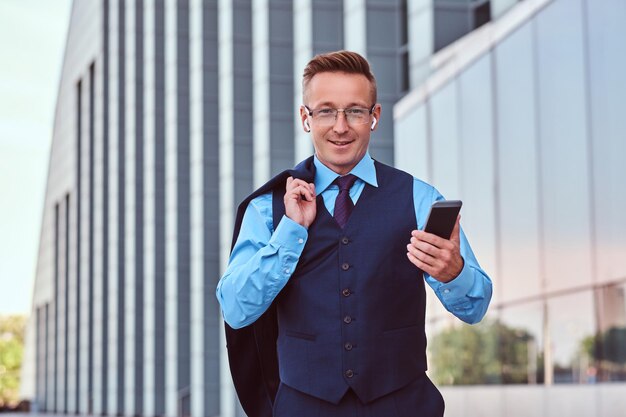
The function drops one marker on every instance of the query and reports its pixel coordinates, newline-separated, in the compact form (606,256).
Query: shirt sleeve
(468,295)
(261,263)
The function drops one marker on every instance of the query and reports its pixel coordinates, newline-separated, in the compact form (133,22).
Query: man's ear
(304,118)
(376,116)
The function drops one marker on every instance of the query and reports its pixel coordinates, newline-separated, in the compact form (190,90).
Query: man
(325,282)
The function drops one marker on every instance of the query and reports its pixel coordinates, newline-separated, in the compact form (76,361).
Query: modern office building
(169,112)
(522,120)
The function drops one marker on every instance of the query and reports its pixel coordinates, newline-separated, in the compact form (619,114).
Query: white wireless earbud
(373,124)
(306,126)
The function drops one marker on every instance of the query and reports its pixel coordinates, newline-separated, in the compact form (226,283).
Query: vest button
(345,266)
(348,346)
(347,319)
(349,373)
(345,240)
(346,292)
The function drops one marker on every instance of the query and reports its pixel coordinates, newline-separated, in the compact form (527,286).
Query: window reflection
(503,349)
(461,354)
(521,344)
(571,330)
(608,347)
(577,338)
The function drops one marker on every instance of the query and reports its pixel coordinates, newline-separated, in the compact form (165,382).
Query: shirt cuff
(289,235)
(459,287)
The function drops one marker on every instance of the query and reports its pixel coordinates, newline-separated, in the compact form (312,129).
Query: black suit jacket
(252,350)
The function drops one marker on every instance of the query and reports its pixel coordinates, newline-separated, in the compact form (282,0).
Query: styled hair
(338,61)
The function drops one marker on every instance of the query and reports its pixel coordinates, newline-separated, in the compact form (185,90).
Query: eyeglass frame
(310,112)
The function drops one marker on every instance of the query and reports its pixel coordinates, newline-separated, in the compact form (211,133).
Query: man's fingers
(421,255)
(415,261)
(423,262)
(298,189)
(430,238)
(433,255)
(293,183)
(425,247)
(299,199)
(301,192)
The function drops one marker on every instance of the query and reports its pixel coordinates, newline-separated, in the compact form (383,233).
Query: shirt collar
(365,170)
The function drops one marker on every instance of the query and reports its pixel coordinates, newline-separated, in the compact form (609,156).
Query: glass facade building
(169,112)
(522,122)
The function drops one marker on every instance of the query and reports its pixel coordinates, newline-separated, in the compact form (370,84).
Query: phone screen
(442,217)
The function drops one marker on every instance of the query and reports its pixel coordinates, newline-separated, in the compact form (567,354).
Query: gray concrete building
(169,112)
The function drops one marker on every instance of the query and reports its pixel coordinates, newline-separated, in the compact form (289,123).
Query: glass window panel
(387,18)
(563,141)
(608,349)
(477,174)
(571,331)
(521,343)
(517,153)
(280,23)
(499,7)
(460,354)
(445,140)
(386,67)
(411,143)
(242,57)
(421,33)
(281,95)
(328,24)
(436,313)
(242,19)
(607,66)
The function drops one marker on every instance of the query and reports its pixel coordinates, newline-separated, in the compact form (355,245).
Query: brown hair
(338,61)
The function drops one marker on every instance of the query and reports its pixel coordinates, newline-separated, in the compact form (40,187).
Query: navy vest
(352,314)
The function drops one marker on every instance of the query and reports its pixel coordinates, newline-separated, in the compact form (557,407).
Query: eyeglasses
(327,116)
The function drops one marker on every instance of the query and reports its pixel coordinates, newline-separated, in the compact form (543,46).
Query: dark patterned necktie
(343,203)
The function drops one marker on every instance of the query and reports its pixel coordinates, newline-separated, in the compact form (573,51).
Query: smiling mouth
(341,143)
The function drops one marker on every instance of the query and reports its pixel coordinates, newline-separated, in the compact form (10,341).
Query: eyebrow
(331,104)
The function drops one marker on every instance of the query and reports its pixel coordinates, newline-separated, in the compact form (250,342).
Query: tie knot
(346,182)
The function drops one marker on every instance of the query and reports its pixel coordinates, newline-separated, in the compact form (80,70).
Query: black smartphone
(442,217)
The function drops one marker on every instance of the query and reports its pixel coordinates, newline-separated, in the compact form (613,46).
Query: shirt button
(347,319)
(349,373)
(348,346)
(346,292)
(446,291)
(345,266)
(300,241)
(286,270)
(345,240)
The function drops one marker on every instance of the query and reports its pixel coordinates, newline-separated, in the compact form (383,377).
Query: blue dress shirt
(263,259)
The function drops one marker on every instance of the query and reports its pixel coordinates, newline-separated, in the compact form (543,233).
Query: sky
(32,43)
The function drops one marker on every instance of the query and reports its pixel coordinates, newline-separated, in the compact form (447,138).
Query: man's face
(339,146)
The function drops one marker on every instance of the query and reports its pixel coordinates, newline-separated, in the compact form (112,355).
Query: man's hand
(440,258)
(300,205)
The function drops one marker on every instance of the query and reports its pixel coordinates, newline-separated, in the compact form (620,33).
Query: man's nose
(341,124)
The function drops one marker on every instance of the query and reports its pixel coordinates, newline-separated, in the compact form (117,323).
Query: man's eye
(356,112)
(325,112)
